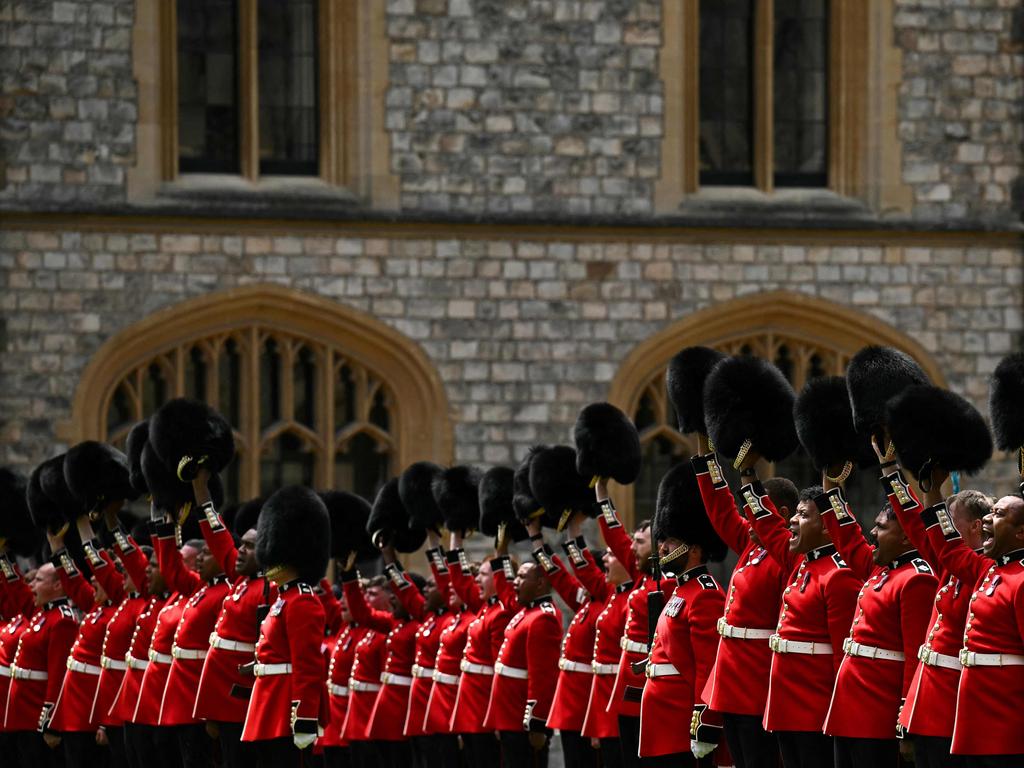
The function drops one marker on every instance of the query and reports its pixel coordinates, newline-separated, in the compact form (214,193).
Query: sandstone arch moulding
(419,428)
(804,327)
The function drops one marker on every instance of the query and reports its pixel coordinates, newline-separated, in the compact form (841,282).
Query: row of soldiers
(822,649)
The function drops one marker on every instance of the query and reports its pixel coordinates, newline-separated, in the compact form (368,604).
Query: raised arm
(78,590)
(442,574)
(562,581)
(219,540)
(771,528)
(614,534)
(15,594)
(462,580)
(720,504)
(408,596)
(501,568)
(584,565)
(953,553)
(362,613)
(100,561)
(177,577)
(132,558)
(907,507)
(331,605)
(846,532)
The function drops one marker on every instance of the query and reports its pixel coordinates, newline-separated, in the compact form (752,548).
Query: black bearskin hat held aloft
(294,531)
(97,474)
(495,497)
(931,426)
(349,514)
(748,399)
(524,503)
(16,527)
(50,503)
(680,514)
(607,444)
(873,377)
(559,488)
(456,494)
(824,424)
(189,434)
(415,486)
(137,439)
(389,522)
(687,372)
(1006,404)
(170,494)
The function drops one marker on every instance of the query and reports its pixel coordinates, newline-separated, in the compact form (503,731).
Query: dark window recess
(800,93)
(726,98)
(207,86)
(288,99)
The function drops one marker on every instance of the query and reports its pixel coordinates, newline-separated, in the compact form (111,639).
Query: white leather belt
(661,670)
(223,644)
(132,663)
(266,670)
(338,690)
(506,671)
(359,685)
(161,658)
(972,659)
(441,677)
(575,666)
(108,663)
(852,648)
(476,669)
(782,645)
(604,669)
(742,633)
(80,666)
(633,646)
(418,671)
(19,673)
(390,678)
(5,671)
(935,659)
(188,653)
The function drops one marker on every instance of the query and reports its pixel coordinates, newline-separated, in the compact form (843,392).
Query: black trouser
(446,746)
(629,739)
(338,757)
(861,753)
(33,752)
(151,746)
(395,754)
(424,752)
(994,761)
(675,760)
(481,750)
(517,752)
(806,749)
(277,753)
(751,746)
(366,754)
(577,751)
(115,740)
(234,752)
(81,750)
(611,753)
(933,752)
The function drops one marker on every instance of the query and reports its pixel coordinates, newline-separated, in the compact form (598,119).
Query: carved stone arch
(762,324)
(403,378)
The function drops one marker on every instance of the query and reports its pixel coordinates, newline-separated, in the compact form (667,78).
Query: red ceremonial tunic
(817,608)
(526,669)
(10,633)
(364,683)
(290,635)
(738,683)
(16,596)
(339,669)
(599,723)
(116,643)
(891,615)
(154,680)
(42,649)
(484,637)
(136,658)
(445,684)
(685,639)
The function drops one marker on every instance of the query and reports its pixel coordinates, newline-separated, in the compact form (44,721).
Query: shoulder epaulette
(707,581)
(549,607)
(67,612)
(921,565)
(305,589)
(838,560)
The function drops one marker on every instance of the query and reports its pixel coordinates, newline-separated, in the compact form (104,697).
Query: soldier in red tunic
(288,702)
(336,749)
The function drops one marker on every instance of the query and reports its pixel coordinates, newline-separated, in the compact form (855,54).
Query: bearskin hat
(559,488)
(456,494)
(1006,402)
(874,376)
(415,487)
(16,527)
(137,439)
(50,503)
(349,514)
(294,531)
(933,426)
(687,372)
(824,424)
(183,428)
(747,398)
(97,473)
(524,503)
(389,522)
(168,492)
(246,516)
(495,497)
(607,444)
(142,533)
(679,513)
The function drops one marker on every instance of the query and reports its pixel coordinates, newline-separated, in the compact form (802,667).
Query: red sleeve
(501,567)
(133,560)
(331,606)
(730,525)
(954,555)
(305,625)
(408,595)
(846,533)
(617,539)
(62,637)
(442,574)
(840,590)
(463,583)
(544,642)
(177,577)
(382,621)
(907,507)
(221,544)
(916,600)
(107,574)
(563,582)
(770,527)
(78,590)
(15,594)
(706,608)
(590,576)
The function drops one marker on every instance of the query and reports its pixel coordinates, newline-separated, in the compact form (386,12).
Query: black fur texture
(556,484)
(680,514)
(1006,402)
(142,533)
(687,372)
(874,376)
(97,474)
(824,424)
(389,520)
(137,439)
(50,503)
(16,527)
(246,516)
(456,494)
(415,486)
(184,427)
(607,444)
(294,530)
(349,514)
(495,497)
(748,398)
(168,493)
(930,424)
(524,503)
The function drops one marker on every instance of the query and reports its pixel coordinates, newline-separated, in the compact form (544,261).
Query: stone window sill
(237,189)
(788,203)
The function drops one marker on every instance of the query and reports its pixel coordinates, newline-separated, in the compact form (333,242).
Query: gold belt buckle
(965,657)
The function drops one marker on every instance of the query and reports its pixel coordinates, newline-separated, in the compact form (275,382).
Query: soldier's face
(806,529)
(346,614)
(155,579)
(1003,527)
(527,582)
(615,571)
(485,580)
(967,524)
(46,584)
(246,563)
(379,598)
(207,565)
(892,541)
(642,544)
